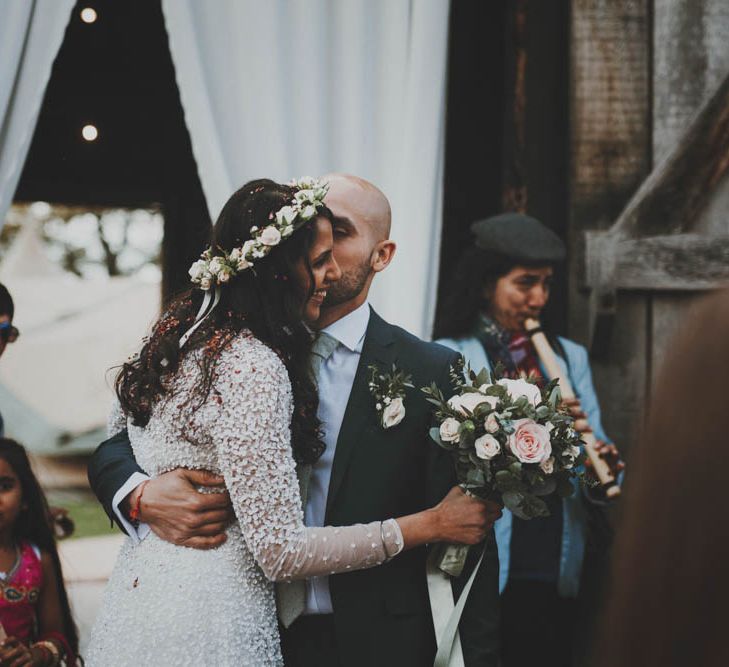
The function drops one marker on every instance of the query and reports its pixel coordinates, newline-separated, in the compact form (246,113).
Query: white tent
(54,390)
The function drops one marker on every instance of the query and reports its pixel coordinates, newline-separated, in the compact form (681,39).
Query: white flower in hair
(218,269)
(270,236)
(286,215)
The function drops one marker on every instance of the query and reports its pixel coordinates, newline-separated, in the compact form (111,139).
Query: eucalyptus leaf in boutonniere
(388,390)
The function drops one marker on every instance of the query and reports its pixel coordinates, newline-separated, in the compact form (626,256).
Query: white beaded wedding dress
(172,605)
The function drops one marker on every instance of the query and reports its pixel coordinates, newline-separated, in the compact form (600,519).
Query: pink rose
(270,236)
(530,441)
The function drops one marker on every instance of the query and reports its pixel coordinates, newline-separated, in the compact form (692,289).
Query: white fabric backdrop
(31,32)
(287,88)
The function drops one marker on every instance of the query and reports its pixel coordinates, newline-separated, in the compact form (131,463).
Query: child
(34,609)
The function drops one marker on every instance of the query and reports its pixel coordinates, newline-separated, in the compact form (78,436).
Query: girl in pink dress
(37,626)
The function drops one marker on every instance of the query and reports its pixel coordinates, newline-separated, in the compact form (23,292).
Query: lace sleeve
(252,435)
(117,420)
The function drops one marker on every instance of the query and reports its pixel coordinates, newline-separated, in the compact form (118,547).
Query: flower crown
(211,270)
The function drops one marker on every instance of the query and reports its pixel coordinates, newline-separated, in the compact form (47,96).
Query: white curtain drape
(287,88)
(31,32)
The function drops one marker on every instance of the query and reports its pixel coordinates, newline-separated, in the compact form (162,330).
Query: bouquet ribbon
(446,614)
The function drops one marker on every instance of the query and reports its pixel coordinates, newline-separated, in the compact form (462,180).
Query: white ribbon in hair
(201,314)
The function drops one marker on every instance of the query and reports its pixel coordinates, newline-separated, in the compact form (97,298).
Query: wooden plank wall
(691,58)
(610,148)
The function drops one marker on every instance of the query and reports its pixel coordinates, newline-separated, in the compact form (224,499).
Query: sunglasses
(8,333)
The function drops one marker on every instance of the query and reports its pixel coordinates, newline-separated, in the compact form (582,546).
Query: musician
(501,280)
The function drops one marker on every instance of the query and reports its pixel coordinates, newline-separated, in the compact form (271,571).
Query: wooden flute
(554,370)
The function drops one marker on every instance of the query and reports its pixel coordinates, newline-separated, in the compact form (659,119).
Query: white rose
(449,430)
(487,447)
(303,196)
(248,247)
(197,270)
(216,265)
(491,424)
(309,212)
(393,413)
(285,216)
(547,465)
(270,236)
(234,255)
(517,388)
(470,400)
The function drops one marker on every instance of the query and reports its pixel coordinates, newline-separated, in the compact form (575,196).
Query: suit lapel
(378,349)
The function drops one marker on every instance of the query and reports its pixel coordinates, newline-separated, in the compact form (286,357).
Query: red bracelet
(137,509)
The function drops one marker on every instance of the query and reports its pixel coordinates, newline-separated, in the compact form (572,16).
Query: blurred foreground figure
(668,605)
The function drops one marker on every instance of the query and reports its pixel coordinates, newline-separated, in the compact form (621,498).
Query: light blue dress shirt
(335,380)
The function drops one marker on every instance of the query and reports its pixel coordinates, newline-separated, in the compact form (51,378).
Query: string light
(89,15)
(89,132)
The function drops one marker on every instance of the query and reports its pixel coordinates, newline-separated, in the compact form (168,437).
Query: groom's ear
(382,255)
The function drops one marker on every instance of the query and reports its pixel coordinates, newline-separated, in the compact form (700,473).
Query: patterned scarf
(513,350)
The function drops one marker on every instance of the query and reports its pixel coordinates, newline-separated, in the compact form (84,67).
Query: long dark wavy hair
(463,300)
(35,525)
(266,300)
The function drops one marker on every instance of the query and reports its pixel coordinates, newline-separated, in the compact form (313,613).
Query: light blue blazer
(575,518)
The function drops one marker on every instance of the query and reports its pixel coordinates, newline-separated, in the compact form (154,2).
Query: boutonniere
(388,390)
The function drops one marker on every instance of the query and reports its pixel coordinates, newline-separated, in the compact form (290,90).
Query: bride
(229,390)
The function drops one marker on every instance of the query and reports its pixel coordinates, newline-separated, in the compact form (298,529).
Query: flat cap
(519,237)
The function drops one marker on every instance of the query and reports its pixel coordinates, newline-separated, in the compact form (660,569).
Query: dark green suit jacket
(382,615)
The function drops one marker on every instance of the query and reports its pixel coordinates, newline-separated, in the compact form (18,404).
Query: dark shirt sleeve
(111,465)
(479,626)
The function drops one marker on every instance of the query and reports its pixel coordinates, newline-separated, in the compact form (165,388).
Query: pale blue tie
(291,597)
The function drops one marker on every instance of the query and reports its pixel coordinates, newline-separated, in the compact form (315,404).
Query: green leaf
(483,377)
(476,477)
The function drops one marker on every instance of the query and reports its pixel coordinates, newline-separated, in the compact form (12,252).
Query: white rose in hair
(309,212)
(547,465)
(270,236)
(393,413)
(517,388)
(487,447)
(285,216)
(491,424)
(449,430)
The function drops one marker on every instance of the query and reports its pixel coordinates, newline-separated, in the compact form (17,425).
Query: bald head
(355,198)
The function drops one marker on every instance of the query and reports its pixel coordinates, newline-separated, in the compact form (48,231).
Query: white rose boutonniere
(388,390)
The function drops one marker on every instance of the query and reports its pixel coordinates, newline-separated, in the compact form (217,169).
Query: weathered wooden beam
(678,189)
(677,262)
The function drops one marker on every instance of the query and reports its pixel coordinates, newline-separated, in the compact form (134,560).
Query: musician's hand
(609,453)
(574,407)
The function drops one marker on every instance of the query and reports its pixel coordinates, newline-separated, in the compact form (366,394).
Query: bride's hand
(463,518)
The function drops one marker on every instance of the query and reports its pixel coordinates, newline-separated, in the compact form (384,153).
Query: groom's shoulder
(418,350)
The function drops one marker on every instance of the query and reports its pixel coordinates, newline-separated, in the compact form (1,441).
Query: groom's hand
(178,513)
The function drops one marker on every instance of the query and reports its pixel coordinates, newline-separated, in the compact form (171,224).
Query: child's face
(11,496)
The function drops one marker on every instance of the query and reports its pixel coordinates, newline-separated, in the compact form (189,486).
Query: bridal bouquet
(511,443)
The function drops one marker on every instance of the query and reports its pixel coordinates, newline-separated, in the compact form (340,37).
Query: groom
(379,616)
